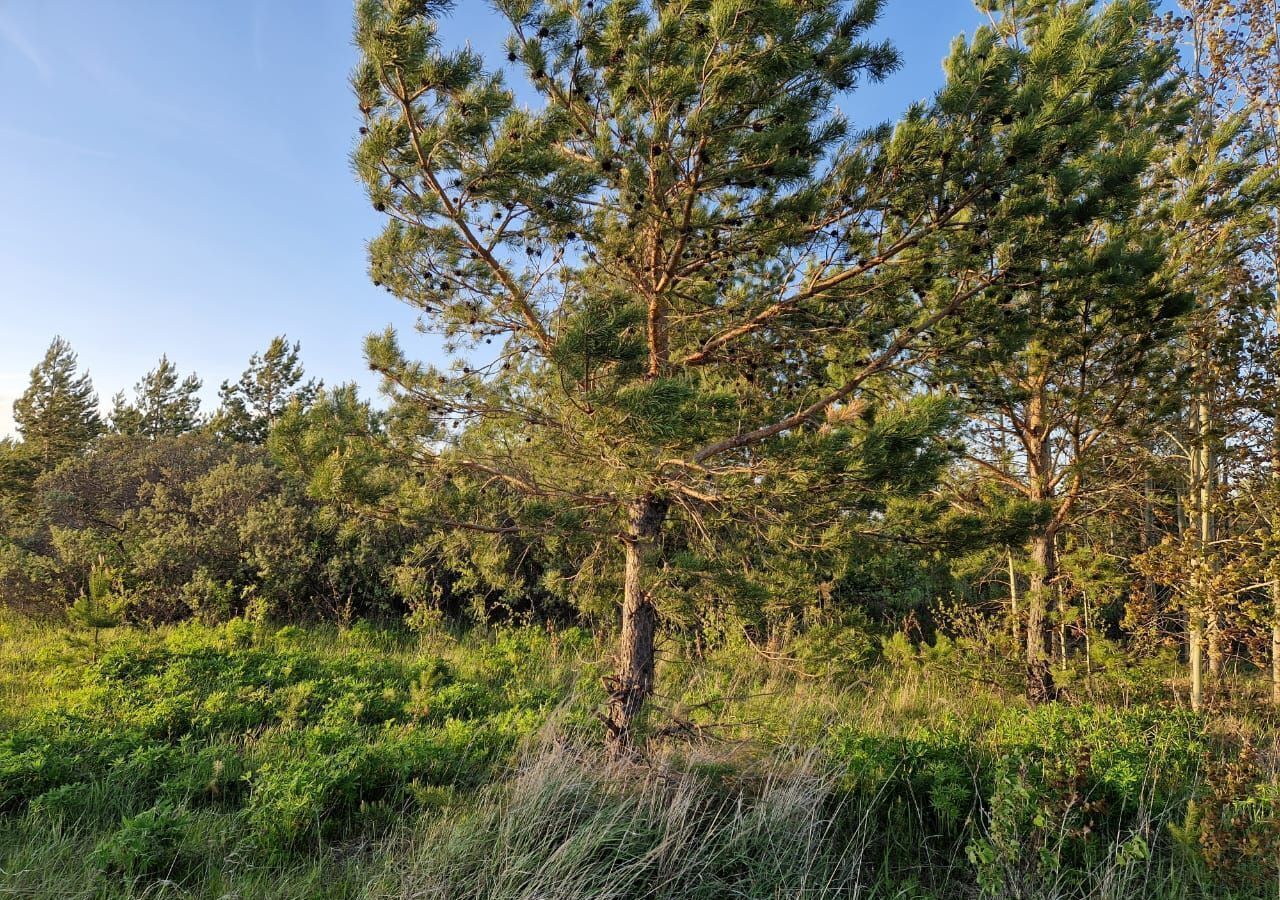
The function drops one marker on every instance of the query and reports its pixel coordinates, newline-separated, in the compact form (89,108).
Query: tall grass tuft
(571,825)
(574,827)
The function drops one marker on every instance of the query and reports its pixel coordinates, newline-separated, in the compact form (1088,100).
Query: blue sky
(174,178)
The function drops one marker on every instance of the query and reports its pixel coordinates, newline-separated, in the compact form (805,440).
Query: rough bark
(632,682)
(1275,470)
(1217,650)
(1044,558)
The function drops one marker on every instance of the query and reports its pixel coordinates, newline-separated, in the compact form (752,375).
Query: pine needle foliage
(677,281)
(99,606)
(274,380)
(57,415)
(164,404)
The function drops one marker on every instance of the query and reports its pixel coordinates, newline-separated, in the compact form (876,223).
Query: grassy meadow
(252,761)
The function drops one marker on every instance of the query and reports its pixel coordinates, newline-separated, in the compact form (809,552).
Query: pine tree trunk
(1195,656)
(1275,474)
(1044,570)
(632,683)
(1013,597)
(1275,649)
(1210,616)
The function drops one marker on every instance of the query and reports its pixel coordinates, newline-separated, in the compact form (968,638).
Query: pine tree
(274,380)
(98,608)
(164,404)
(1135,222)
(1235,48)
(19,470)
(1224,186)
(675,291)
(1222,196)
(57,415)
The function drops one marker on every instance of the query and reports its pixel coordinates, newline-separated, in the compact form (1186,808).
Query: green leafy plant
(147,844)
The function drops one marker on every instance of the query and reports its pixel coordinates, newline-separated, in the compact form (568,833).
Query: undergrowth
(251,761)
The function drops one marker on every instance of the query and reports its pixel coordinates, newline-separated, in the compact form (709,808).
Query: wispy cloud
(14,37)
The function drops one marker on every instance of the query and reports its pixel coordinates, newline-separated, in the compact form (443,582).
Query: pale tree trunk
(632,682)
(1275,581)
(1148,537)
(1195,622)
(1013,597)
(1088,642)
(1207,534)
(1275,646)
(1195,653)
(1204,625)
(1044,557)
(1044,571)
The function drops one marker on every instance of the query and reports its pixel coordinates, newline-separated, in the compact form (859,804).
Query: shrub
(1124,757)
(934,774)
(1076,788)
(835,649)
(231,718)
(463,700)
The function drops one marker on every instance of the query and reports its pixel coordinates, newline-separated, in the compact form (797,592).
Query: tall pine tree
(275,378)
(672,288)
(164,404)
(1235,49)
(57,415)
(1096,303)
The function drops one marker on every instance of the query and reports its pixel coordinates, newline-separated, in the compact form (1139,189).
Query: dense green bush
(935,773)
(1072,787)
(196,528)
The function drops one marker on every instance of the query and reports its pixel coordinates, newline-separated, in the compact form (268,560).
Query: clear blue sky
(174,179)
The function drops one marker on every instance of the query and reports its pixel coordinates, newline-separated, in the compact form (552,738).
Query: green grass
(249,761)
